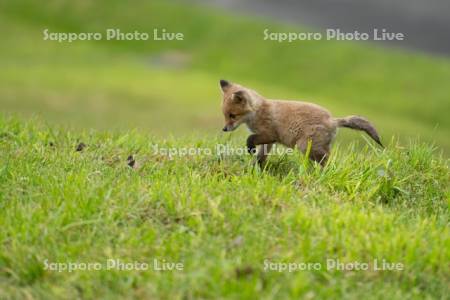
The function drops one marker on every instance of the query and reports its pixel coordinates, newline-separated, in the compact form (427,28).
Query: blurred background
(171,87)
(426,24)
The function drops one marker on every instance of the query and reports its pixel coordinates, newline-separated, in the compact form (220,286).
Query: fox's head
(237,104)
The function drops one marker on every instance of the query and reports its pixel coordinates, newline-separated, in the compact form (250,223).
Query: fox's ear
(239,97)
(224,85)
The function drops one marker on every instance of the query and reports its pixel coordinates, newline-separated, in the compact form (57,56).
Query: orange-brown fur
(291,123)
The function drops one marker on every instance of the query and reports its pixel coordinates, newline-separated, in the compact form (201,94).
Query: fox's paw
(251,147)
(261,163)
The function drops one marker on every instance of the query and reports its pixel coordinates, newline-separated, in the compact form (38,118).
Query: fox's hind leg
(320,155)
(319,152)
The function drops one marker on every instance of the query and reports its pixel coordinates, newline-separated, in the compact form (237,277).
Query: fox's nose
(225,128)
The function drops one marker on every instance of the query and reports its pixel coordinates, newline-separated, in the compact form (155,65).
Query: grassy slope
(109,84)
(221,217)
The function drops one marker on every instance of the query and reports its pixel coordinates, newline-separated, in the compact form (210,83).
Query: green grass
(218,215)
(172,86)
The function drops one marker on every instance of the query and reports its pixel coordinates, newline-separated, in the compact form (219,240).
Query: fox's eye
(232,116)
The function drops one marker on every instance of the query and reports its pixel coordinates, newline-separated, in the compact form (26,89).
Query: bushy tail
(359,123)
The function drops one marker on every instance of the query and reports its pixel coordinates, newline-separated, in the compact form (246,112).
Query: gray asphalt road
(425,23)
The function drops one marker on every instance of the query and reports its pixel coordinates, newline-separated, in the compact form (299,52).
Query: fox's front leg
(263,151)
(255,140)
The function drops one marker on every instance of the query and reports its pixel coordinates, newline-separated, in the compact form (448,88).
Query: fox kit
(291,123)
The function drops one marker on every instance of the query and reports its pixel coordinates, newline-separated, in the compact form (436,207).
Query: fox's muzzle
(229,127)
